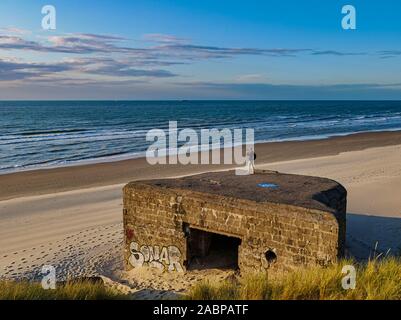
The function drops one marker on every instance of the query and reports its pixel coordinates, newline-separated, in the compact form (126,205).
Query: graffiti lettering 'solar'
(155,257)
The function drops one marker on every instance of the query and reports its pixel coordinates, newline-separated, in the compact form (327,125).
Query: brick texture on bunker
(263,221)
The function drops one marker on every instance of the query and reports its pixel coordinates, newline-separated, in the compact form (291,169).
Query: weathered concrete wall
(291,235)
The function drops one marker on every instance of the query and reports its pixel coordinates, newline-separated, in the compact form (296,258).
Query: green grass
(377,279)
(85,290)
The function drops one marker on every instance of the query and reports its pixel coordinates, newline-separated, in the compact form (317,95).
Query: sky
(183,49)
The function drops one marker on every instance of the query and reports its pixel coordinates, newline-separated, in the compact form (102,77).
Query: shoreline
(142,154)
(67,178)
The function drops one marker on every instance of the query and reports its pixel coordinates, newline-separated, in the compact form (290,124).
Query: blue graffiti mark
(268,185)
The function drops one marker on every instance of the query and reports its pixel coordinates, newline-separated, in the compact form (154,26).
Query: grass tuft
(376,279)
(85,290)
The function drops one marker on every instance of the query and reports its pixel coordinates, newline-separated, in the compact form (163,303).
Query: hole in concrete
(270,256)
(207,250)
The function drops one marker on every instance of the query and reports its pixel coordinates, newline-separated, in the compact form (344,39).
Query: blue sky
(200,50)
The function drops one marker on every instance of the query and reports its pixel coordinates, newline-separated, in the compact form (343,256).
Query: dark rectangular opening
(207,250)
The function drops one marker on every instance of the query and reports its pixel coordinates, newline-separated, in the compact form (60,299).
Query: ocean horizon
(44,134)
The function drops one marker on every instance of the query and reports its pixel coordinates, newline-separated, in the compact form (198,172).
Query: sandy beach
(71,217)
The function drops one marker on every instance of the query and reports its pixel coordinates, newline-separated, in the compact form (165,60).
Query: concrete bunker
(263,221)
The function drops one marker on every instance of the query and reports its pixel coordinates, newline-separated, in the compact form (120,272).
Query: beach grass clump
(376,279)
(82,290)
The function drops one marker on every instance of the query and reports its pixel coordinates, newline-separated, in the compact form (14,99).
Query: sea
(43,134)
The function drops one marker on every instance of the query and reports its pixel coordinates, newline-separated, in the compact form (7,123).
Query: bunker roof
(264,186)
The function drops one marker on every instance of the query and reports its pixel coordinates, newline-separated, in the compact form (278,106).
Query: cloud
(336,53)
(82,43)
(167,49)
(267,91)
(114,59)
(82,82)
(14,30)
(18,43)
(192,52)
(13,70)
(167,45)
(127,61)
(73,44)
(110,67)
(163,38)
(131,89)
(385,54)
(249,78)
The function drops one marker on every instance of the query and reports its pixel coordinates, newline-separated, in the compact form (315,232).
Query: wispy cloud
(11,70)
(250,78)
(291,91)
(79,82)
(14,30)
(164,38)
(73,44)
(385,54)
(96,51)
(336,53)
(166,47)
(110,67)
(14,70)
(115,58)
(196,52)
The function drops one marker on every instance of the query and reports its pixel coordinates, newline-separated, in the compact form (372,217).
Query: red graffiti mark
(129,234)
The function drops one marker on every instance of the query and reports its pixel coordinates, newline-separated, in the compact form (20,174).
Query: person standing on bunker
(250,161)
(249,168)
